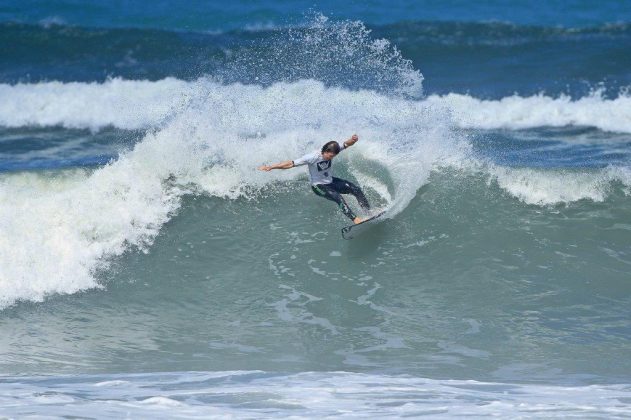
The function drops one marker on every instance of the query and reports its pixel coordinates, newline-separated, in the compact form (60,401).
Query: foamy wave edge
(255,394)
(518,112)
(141,104)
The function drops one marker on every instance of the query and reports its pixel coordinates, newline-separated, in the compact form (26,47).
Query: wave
(119,103)
(142,104)
(59,230)
(551,187)
(517,112)
(253,394)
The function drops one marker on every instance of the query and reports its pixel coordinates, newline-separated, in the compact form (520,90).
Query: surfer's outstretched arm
(288,164)
(354,139)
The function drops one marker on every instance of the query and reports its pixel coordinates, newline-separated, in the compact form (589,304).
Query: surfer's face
(328,155)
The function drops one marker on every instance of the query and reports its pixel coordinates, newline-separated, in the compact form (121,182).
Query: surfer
(323,183)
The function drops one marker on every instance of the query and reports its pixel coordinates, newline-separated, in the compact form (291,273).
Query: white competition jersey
(320,170)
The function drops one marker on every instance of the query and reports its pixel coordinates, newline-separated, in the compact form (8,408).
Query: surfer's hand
(265,168)
(354,138)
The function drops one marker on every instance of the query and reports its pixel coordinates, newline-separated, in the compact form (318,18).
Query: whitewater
(207,138)
(308,394)
(141,104)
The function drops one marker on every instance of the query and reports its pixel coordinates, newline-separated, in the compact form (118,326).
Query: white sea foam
(547,187)
(517,112)
(142,104)
(120,103)
(56,230)
(305,395)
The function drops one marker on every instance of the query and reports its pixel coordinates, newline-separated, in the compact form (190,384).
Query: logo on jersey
(324,165)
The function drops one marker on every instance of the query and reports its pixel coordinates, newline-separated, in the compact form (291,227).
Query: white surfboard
(352,231)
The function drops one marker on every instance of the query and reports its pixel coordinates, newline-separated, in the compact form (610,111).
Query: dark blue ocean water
(242,14)
(485,48)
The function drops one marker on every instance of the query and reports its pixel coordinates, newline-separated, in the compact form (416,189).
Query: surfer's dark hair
(331,146)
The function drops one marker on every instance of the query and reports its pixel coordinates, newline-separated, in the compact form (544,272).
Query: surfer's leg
(331,194)
(346,187)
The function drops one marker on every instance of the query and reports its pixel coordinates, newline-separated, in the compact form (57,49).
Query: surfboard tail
(352,231)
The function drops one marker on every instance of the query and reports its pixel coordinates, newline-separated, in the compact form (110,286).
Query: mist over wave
(551,187)
(120,103)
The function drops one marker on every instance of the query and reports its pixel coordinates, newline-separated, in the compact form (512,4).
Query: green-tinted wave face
(467,281)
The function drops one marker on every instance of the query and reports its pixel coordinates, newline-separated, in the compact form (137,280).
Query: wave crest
(517,112)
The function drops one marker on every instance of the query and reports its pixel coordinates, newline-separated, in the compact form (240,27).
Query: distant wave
(120,103)
(518,112)
(141,104)
(438,31)
(319,51)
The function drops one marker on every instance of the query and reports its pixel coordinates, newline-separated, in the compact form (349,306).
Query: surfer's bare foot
(357,220)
